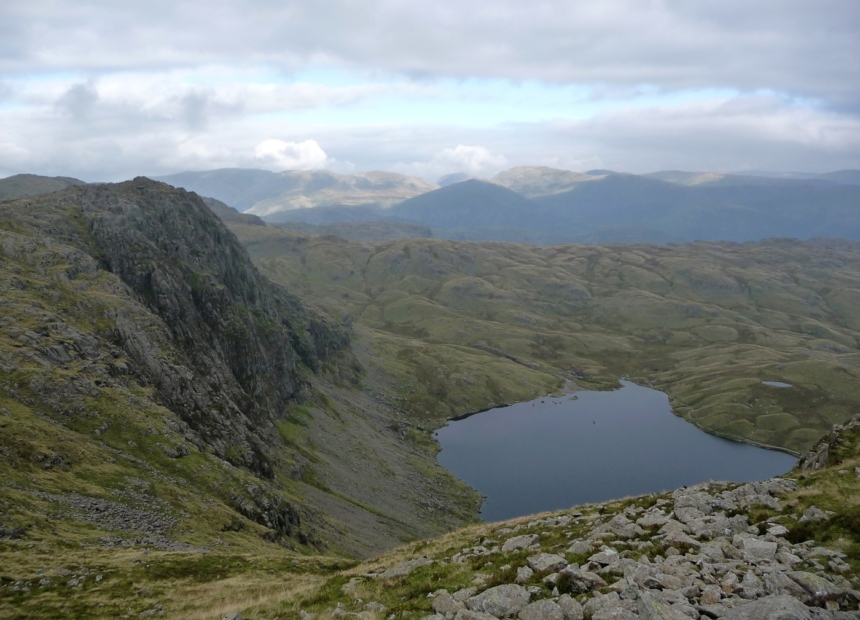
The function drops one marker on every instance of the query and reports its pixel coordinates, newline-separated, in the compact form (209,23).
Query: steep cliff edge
(156,388)
(242,342)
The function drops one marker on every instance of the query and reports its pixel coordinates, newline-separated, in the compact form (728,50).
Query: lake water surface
(553,453)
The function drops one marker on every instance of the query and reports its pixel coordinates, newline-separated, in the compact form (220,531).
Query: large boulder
(652,608)
(542,610)
(502,601)
(770,608)
(546,562)
(404,568)
(520,542)
(444,603)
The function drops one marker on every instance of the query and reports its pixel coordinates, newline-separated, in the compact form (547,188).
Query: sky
(104,90)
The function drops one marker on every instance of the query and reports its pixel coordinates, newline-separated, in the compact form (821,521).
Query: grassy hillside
(706,551)
(21,185)
(362,231)
(464,326)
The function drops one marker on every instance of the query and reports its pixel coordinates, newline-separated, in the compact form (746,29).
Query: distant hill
(707,211)
(847,177)
(843,177)
(363,232)
(269,194)
(229,215)
(468,203)
(542,205)
(532,181)
(450,179)
(628,208)
(329,215)
(715,178)
(21,185)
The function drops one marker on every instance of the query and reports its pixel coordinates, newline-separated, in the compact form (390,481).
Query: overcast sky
(107,90)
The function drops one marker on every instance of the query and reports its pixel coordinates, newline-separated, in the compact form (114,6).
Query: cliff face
(144,361)
(238,344)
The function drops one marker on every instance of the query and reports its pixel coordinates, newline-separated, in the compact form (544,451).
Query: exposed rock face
(243,336)
(821,454)
(243,340)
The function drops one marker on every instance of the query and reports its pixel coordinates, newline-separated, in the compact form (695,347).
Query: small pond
(553,453)
(777,384)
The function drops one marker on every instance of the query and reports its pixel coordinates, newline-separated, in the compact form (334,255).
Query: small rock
(524,573)
(814,514)
(468,614)
(605,557)
(759,549)
(520,542)
(404,568)
(546,562)
(542,610)
(444,603)
(570,607)
(465,593)
(580,547)
(501,601)
(652,608)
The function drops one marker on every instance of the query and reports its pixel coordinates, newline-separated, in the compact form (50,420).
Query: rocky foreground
(715,550)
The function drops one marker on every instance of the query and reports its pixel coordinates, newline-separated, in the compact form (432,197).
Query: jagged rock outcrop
(822,452)
(224,347)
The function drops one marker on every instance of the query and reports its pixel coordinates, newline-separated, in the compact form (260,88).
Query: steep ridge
(243,339)
(146,365)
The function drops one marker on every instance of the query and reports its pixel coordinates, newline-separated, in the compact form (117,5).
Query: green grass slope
(464,326)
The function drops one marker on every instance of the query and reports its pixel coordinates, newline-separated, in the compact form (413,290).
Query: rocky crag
(243,340)
(156,389)
(785,548)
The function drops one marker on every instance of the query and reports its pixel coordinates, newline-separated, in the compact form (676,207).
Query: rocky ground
(715,550)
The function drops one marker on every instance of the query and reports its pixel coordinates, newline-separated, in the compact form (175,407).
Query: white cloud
(106,90)
(279,155)
(800,47)
(761,132)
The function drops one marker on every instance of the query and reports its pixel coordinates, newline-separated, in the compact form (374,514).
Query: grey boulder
(770,608)
(501,601)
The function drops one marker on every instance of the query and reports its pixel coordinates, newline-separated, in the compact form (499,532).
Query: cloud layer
(105,90)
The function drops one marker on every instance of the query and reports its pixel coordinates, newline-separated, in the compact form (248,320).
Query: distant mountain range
(536,205)
(546,206)
(268,194)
